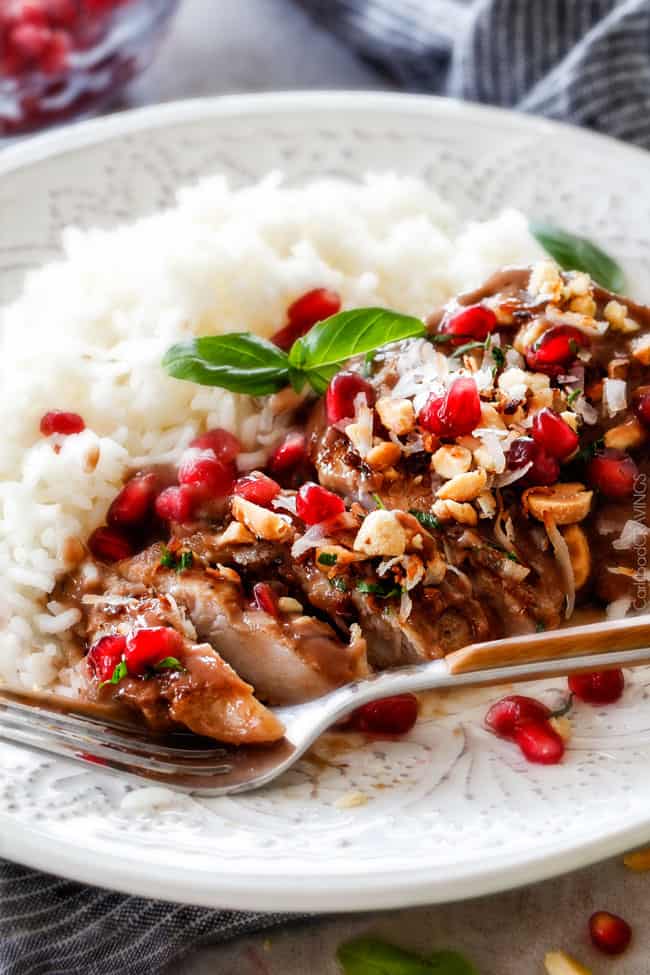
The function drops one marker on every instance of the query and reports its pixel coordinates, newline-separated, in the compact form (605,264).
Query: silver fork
(185,763)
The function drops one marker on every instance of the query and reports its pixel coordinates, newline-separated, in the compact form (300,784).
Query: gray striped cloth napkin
(585,61)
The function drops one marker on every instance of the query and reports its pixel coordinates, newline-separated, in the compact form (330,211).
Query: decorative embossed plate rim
(452,812)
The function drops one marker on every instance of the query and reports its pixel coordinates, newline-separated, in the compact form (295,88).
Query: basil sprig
(575,253)
(245,363)
(370,956)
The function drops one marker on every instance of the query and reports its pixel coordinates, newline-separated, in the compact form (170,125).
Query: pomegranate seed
(63,13)
(147,647)
(104,656)
(291,453)
(30,41)
(25,12)
(456,413)
(609,933)
(315,504)
(59,422)
(554,435)
(556,349)
(473,323)
(55,59)
(211,477)
(545,469)
(540,743)
(600,687)
(391,716)
(304,313)
(177,503)
(110,545)
(511,712)
(613,473)
(265,598)
(257,488)
(642,405)
(342,392)
(134,502)
(224,444)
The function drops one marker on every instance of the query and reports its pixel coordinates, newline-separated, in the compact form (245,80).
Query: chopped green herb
(383,590)
(511,556)
(370,956)
(540,627)
(426,519)
(499,356)
(440,338)
(327,558)
(367,363)
(573,345)
(468,347)
(572,397)
(590,450)
(379,502)
(185,561)
(120,671)
(169,663)
(339,582)
(168,559)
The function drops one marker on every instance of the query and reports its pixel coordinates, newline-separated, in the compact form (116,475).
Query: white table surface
(220,46)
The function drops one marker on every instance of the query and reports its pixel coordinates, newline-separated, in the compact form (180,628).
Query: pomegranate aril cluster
(525,721)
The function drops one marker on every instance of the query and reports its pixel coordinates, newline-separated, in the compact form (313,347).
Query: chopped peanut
(463,487)
(616,315)
(583,305)
(343,555)
(447,510)
(263,523)
(564,503)
(528,334)
(641,349)
(559,963)
(360,437)
(236,534)
(286,604)
(545,279)
(487,505)
(448,461)
(490,417)
(626,435)
(381,534)
(397,415)
(383,455)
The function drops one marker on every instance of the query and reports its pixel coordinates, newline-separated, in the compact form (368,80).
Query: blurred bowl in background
(65,59)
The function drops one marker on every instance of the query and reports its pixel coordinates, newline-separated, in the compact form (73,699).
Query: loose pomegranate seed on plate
(306,312)
(291,453)
(545,469)
(540,743)
(554,435)
(315,504)
(134,502)
(613,473)
(609,932)
(265,598)
(211,477)
(104,656)
(110,545)
(224,444)
(599,687)
(342,392)
(257,488)
(556,349)
(177,503)
(391,716)
(504,717)
(456,413)
(148,646)
(58,421)
(470,324)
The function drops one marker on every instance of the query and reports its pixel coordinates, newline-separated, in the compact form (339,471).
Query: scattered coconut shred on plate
(103,315)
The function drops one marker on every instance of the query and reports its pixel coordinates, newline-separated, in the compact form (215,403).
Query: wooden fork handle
(607,637)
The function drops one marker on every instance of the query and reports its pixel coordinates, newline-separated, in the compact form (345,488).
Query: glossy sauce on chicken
(484,480)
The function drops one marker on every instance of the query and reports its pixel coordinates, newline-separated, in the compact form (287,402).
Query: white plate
(452,812)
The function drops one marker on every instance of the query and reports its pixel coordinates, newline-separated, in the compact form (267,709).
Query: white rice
(88,333)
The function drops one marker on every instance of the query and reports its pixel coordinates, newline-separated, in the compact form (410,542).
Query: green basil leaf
(169,663)
(426,519)
(167,558)
(382,590)
(369,956)
(327,558)
(238,361)
(450,963)
(338,582)
(575,253)
(350,333)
